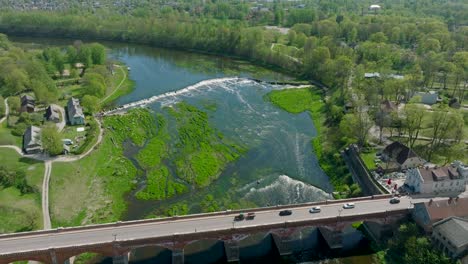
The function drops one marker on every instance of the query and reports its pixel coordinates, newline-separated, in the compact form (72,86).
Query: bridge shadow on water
(308,244)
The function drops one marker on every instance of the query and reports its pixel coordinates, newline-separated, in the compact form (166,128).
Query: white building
(438,180)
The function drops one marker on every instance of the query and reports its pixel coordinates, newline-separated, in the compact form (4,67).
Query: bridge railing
(192,216)
(223,232)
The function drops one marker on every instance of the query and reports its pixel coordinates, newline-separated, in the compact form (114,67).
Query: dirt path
(61,124)
(118,86)
(45,195)
(7,111)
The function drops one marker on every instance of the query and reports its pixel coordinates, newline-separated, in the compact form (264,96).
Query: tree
(447,126)
(2,107)
(98,53)
(14,103)
(91,104)
(412,121)
(51,140)
(94,84)
(357,125)
(85,56)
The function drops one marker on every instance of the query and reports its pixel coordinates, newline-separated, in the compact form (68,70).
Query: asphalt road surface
(205,223)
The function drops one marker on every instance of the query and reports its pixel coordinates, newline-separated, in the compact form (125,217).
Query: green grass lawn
(21,212)
(6,138)
(295,100)
(369,159)
(125,88)
(92,189)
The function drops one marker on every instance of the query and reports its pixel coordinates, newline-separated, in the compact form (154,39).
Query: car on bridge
(285,212)
(250,216)
(394,200)
(315,209)
(239,217)
(348,205)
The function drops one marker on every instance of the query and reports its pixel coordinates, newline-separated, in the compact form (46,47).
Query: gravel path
(7,111)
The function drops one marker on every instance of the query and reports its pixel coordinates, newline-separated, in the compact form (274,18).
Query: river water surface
(279,167)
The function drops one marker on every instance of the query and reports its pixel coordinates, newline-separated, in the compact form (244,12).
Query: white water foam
(286,190)
(223,83)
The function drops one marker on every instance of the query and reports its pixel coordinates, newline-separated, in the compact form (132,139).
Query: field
(100,180)
(21,212)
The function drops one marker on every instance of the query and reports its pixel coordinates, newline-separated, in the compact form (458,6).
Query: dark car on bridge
(285,212)
(394,200)
(239,217)
(250,216)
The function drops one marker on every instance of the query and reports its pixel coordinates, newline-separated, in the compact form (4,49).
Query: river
(279,167)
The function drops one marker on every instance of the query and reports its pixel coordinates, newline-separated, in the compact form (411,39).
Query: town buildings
(400,156)
(52,114)
(75,112)
(447,179)
(28,104)
(32,140)
(451,236)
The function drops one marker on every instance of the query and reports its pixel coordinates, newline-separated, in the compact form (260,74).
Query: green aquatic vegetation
(138,125)
(156,148)
(160,185)
(201,152)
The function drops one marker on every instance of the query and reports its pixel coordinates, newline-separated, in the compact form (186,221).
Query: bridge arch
(259,245)
(81,255)
(148,254)
(207,250)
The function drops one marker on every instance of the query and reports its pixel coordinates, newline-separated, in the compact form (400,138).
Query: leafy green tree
(91,104)
(412,121)
(378,37)
(94,84)
(51,140)
(4,42)
(356,126)
(14,103)
(98,53)
(2,106)
(85,55)
(71,54)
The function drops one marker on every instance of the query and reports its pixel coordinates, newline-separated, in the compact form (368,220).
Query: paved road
(144,230)
(7,111)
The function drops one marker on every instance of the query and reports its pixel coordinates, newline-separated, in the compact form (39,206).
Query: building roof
(439,174)
(388,105)
(74,108)
(455,229)
(27,100)
(32,136)
(52,112)
(399,152)
(438,210)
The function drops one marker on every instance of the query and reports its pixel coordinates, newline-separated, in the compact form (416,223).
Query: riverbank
(310,99)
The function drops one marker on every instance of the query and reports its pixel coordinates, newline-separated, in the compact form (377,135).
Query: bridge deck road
(99,234)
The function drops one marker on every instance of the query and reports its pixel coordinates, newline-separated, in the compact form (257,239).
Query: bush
(91,135)
(19,129)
